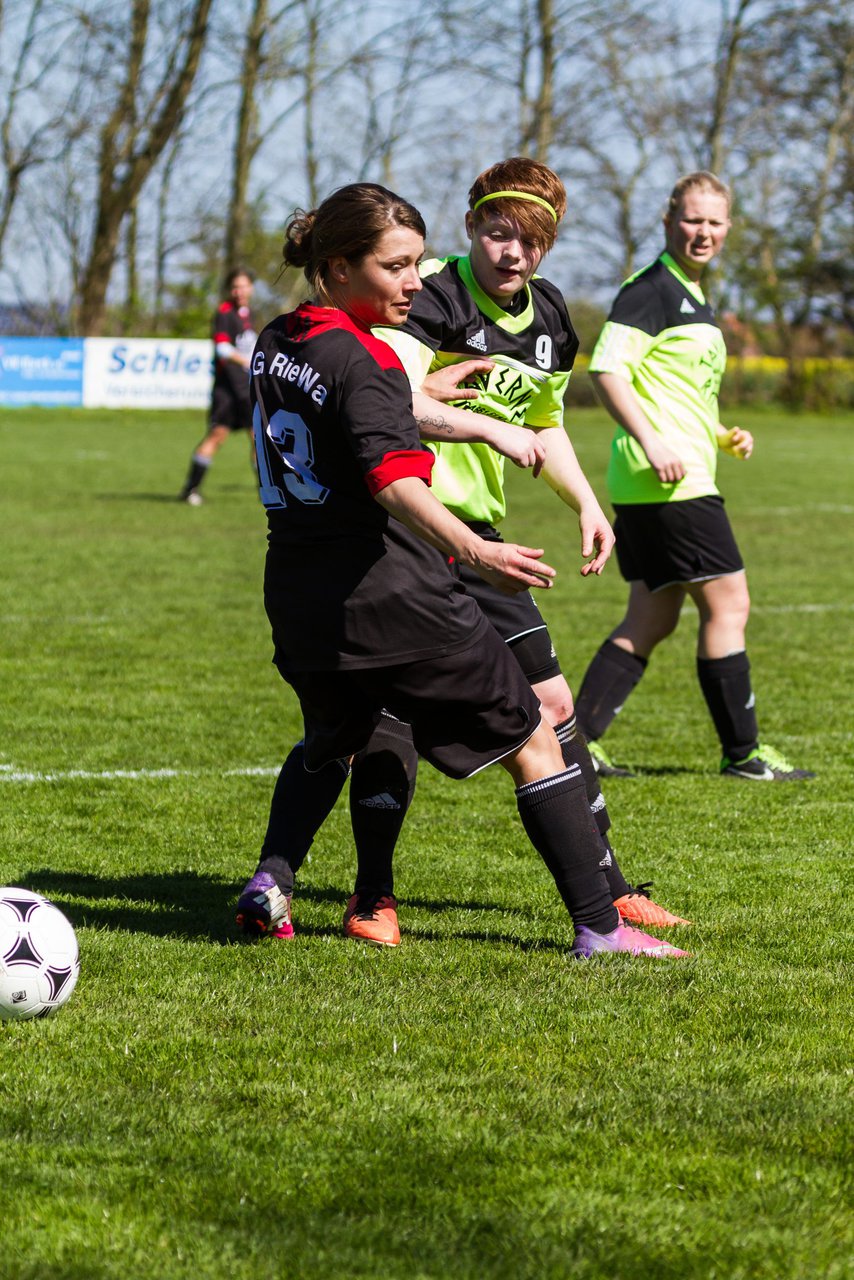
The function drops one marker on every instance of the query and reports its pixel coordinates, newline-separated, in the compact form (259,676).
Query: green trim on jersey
(488,307)
(661,336)
(693,286)
(533,351)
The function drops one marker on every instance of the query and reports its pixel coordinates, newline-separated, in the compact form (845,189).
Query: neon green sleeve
(546,407)
(415,357)
(620,349)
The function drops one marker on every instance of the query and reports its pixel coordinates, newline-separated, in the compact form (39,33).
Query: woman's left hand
(737,442)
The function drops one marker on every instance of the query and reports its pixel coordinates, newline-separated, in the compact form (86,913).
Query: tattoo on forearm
(435,422)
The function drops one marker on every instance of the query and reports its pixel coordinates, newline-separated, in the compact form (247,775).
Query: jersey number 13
(292,441)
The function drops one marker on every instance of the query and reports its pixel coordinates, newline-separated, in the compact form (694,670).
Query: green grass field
(474,1104)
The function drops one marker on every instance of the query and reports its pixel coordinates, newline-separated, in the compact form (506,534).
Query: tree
(123,122)
(539,45)
(135,132)
(794,237)
(247,139)
(613,141)
(732,31)
(36,127)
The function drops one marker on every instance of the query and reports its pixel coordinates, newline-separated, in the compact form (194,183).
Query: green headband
(516,195)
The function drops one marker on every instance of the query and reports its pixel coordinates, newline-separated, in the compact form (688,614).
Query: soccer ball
(39,960)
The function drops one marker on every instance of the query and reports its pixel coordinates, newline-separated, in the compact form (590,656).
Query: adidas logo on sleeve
(686,308)
(477,340)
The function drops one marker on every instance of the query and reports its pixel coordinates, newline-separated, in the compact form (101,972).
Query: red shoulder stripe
(398,465)
(381,351)
(322,319)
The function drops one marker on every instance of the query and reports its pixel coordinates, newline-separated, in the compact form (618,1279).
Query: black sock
(556,817)
(617,882)
(607,683)
(301,803)
(726,687)
(199,466)
(574,750)
(573,747)
(381,789)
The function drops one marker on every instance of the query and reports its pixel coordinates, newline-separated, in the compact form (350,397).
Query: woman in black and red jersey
(233,333)
(365,613)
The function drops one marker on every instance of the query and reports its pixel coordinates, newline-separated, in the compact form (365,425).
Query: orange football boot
(372,917)
(637,907)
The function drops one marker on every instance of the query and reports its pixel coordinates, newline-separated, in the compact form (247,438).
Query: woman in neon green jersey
(657,367)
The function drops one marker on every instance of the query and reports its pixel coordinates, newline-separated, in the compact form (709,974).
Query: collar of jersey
(331,317)
(691,285)
(483,302)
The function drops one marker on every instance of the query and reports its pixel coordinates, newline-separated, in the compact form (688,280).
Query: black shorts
(230,410)
(665,543)
(517,619)
(467,709)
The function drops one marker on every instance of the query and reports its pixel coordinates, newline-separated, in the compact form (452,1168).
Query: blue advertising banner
(41,371)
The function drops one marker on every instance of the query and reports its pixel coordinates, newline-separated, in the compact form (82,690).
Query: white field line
(11,773)
(73,620)
(817,508)
(834,607)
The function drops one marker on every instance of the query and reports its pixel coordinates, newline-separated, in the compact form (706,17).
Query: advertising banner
(147,373)
(46,371)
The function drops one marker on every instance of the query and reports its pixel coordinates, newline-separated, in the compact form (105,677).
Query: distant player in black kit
(234,337)
(366,616)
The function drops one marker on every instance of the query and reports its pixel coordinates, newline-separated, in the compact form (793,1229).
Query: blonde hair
(700,180)
(530,178)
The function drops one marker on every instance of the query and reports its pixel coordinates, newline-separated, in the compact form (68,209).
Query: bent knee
(556,701)
(729,606)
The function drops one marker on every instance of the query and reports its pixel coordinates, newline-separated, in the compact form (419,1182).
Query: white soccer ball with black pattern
(39,959)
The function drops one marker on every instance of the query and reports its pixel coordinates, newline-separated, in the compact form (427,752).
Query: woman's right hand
(666,464)
(621,401)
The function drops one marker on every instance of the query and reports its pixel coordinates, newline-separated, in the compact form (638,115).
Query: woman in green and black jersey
(657,367)
(492,304)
